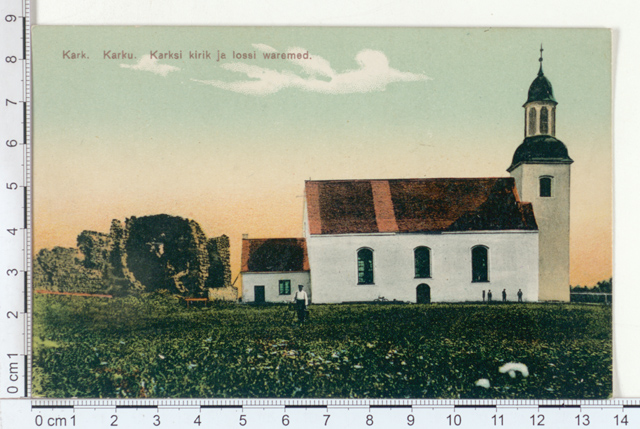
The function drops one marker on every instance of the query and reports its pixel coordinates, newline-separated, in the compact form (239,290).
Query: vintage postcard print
(322,212)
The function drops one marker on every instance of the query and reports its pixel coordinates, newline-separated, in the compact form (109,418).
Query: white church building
(439,240)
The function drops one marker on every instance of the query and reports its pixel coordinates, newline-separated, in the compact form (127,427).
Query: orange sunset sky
(230,143)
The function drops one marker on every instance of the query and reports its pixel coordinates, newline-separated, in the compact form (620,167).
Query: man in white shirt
(301,300)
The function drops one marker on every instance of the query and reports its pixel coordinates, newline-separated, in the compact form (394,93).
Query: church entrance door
(423,294)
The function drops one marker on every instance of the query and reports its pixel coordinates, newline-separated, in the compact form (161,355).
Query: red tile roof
(274,254)
(416,205)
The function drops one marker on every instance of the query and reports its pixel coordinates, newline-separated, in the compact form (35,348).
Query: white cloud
(149,64)
(316,75)
(264,48)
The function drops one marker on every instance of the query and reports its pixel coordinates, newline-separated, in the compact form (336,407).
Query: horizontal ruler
(318,413)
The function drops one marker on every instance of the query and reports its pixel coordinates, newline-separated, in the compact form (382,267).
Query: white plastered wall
(513,265)
(271,283)
(553,216)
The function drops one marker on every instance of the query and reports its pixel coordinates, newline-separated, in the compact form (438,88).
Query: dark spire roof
(541,89)
(542,149)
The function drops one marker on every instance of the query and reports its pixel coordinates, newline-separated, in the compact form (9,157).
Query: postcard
(288,212)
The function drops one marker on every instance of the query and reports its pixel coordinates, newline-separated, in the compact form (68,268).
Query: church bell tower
(541,167)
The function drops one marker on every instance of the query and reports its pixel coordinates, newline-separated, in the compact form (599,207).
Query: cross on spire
(540,73)
(541,52)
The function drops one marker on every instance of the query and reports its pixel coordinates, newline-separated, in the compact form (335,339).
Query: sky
(230,143)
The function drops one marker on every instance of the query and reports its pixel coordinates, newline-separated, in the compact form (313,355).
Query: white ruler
(319,413)
(15,198)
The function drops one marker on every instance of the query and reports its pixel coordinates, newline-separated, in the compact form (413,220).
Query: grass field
(153,346)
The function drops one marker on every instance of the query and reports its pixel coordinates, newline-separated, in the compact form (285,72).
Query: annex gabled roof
(274,254)
(416,205)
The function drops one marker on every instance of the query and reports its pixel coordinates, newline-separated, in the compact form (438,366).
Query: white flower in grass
(161,356)
(483,382)
(513,367)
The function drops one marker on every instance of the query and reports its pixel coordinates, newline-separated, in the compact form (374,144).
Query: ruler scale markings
(222,406)
(473,406)
(24,120)
(24,38)
(390,406)
(558,406)
(136,406)
(26,380)
(51,407)
(304,406)
(26,287)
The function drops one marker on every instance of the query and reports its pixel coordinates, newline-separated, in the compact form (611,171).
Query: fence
(593,298)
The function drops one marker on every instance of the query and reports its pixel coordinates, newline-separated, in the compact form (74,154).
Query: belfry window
(545,186)
(532,121)
(544,120)
(365,266)
(422,262)
(480,264)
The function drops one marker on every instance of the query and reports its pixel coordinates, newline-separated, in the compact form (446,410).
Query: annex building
(432,240)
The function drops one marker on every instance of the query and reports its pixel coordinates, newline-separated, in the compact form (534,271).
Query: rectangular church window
(545,186)
(285,287)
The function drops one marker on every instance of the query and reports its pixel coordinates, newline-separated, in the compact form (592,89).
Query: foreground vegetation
(152,346)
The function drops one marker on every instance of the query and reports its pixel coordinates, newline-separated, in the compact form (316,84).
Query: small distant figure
(301,301)
(504,295)
(489,296)
(519,295)
(483,294)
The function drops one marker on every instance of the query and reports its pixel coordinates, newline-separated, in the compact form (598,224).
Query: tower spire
(540,72)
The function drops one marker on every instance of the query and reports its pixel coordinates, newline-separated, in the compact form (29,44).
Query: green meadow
(153,346)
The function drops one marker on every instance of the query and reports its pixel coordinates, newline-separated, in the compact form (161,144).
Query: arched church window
(365,266)
(480,264)
(553,121)
(545,186)
(532,121)
(544,120)
(422,262)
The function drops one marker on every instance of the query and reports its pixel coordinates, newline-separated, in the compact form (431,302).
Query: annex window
(365,266)
(285,287)
(422,262)
(544,120)
(545,186)
(532,121)
(480,264)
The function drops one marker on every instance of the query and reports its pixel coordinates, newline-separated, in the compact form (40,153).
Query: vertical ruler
(15,199)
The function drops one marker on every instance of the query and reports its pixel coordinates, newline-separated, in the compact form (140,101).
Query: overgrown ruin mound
(147,253)
(167,252)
